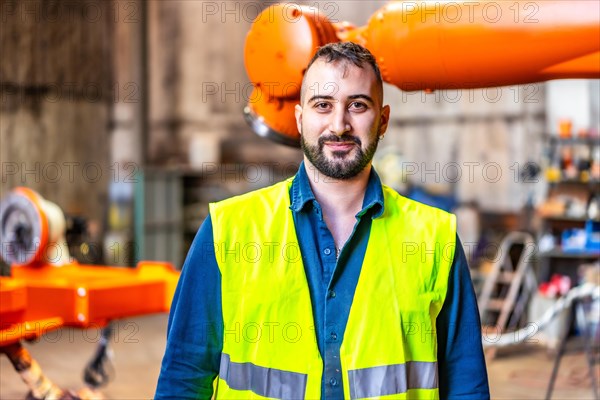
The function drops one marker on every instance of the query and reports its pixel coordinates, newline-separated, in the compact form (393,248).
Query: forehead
(339,79)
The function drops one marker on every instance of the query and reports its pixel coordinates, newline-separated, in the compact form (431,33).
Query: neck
(338,196)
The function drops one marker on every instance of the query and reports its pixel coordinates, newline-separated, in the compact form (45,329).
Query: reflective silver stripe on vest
(392,379)
(266,382)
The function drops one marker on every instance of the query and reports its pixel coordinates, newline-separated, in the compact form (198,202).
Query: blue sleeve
(461,362)
(194,332)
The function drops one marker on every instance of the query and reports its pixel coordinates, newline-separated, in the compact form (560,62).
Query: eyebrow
(352,97)
(362,96)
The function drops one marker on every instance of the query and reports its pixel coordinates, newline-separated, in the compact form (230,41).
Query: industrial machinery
(422,45)
(48,290)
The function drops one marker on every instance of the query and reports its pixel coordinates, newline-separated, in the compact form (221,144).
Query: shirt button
(333,336)
(327,251)
(333,382)
(331,294)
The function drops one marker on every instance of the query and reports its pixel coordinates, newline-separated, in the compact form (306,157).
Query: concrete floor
(519,373)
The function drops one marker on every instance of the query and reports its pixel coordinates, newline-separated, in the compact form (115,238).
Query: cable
(510,338)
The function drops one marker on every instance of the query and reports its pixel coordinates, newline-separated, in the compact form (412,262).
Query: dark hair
(348,52)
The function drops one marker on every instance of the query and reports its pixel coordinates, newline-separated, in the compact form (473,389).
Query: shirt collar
(302,194)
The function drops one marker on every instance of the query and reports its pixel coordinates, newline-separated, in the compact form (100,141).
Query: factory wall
(198,86)
(57,92)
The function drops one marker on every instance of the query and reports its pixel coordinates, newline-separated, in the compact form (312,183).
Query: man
(328,285)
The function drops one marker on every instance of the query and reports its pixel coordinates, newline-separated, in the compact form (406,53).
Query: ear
(384,119)
(298,114)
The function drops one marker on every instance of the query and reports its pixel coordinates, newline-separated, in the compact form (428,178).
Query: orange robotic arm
(423,46)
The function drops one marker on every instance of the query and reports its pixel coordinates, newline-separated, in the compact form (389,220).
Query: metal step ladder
(509,285)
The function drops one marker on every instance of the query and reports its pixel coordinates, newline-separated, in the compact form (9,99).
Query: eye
(357,106)
(322,106)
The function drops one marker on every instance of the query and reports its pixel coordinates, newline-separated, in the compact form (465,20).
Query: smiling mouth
(340,146)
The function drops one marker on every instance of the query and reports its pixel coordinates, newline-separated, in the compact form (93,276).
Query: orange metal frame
(40,297)
(36,300)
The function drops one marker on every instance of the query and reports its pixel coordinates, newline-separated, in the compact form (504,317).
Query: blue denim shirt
(195,328)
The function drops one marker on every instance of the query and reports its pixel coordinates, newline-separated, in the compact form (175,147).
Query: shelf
(564,218)
(575,140)
(572,183)
(591,182)
(558,253)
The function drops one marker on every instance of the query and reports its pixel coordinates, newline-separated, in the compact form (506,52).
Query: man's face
(341,118)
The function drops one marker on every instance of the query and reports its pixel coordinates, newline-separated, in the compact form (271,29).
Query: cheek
(365,128)
(312,125)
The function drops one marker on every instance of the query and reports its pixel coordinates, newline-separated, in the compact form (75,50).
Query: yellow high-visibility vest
(389,348)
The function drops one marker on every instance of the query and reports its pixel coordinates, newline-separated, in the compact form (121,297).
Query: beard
(342,165)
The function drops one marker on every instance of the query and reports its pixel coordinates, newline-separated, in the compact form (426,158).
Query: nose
(339,124)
